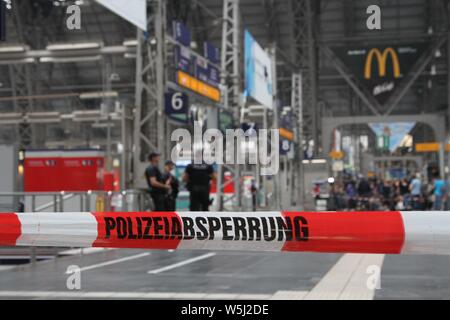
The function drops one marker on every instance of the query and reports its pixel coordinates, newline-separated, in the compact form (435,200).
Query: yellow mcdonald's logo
(382,60)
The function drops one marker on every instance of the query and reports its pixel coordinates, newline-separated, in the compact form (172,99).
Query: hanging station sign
(176,103)
(390,135)
(286,133)
(196,73)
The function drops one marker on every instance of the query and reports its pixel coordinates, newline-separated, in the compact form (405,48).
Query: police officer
(198,178)
(172,181)
(158,188)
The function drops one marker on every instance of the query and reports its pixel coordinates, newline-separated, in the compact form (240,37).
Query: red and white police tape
(349,232)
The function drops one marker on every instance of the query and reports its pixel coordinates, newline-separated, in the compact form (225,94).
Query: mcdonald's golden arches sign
(380,68)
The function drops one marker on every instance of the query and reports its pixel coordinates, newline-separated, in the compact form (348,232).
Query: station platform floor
(141,274)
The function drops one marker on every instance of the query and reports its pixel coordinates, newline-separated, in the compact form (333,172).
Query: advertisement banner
(258,72)
(134,11)
(380,68)
(391,135)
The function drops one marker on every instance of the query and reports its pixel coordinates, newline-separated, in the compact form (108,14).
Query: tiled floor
(138,274)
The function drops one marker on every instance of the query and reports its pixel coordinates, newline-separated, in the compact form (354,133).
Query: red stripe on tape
(350,232)
(10,229)
(144,230)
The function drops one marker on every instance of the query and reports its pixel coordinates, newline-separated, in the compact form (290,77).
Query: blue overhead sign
(183,59)
(193,71)
(181,34)
(201,69)
(286,133)
(211,53)
(213,76)
(176,103)
(207,73)
(285,146)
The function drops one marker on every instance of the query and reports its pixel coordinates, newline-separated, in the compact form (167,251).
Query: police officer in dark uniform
(198,178)
(158,188)
(172,181)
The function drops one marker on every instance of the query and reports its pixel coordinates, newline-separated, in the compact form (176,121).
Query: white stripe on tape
(67,229)
(426,232)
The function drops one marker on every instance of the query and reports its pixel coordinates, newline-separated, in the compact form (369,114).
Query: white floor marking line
(347,279)
(5,268)
(108,263)
(357,288)
(132,295)
(289,295)
(182,263)
(335,280)
(84,251)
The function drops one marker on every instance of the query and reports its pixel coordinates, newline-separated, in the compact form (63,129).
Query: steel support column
(20,77)
(305,54)
(297,108)
(275,125)
(231,88)
(149,120)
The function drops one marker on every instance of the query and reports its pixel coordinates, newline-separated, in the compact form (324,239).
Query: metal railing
(64,201)
(107,201)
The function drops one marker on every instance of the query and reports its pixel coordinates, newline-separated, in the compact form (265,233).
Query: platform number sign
(176,103)
(285,146)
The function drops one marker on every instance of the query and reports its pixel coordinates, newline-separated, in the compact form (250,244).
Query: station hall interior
(338,106)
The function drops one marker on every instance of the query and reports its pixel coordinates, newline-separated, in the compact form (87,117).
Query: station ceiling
(337,23)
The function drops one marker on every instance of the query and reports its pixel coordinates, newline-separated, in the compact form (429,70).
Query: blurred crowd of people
(374,194)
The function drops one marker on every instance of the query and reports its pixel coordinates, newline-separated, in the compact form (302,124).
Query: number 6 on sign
(176,103)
